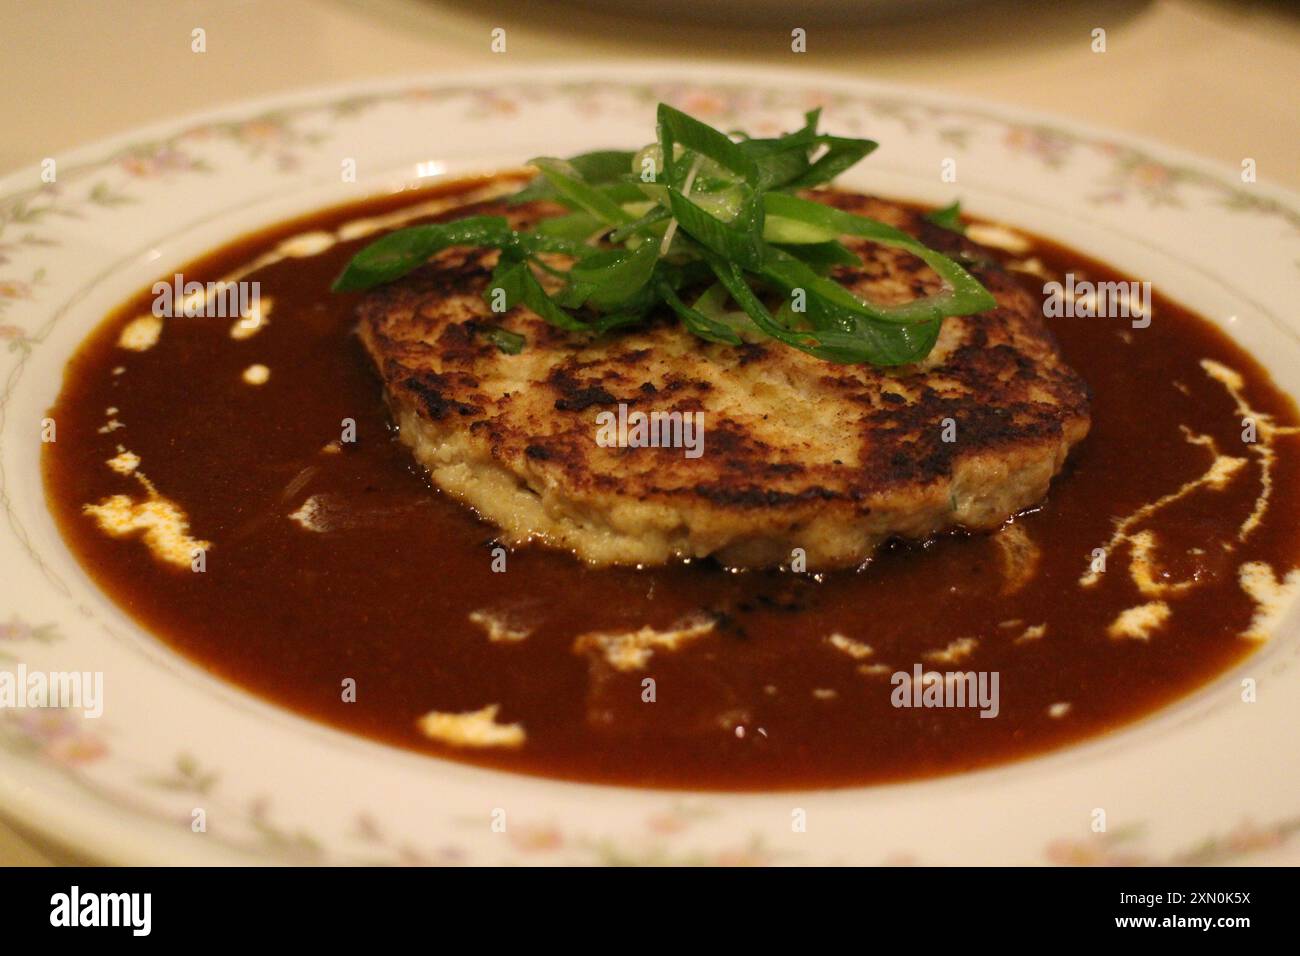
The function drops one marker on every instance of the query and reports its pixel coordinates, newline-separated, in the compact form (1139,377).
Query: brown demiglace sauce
(289,614)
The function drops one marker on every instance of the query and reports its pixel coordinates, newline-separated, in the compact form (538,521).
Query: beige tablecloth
(1217,78)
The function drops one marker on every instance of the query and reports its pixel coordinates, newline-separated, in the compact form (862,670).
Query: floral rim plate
(1208,779)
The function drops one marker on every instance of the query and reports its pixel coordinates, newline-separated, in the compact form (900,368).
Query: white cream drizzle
(499,627)
(954,653)
(308,244)
(1270,595)
(1221,470)
(1032,265)
(140,335)
(475,728)
(1144,570)
(1266,429)
(258,317)
(1034,633)
(1257,578)
(313,515)
(257,375)
(846,645)
(632,650)
(162,523)
(999,237)
(124,462)
(1138,622)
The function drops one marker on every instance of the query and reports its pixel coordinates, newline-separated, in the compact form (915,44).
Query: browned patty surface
(797,452)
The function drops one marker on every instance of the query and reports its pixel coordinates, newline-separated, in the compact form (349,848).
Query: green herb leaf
(719,214)
(641,226)
(841,154)
(965,295)
(512,343)
(785,158)
(822,256)
(577,227)
(738,241)
(517,283)
(596,168)
(705,326)
(949,217)
(397,253)
(574,191)
(676,127)
(611,279)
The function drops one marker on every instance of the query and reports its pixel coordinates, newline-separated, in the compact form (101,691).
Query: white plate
(1208,779)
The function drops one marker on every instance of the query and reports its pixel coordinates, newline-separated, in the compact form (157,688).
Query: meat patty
(797,452)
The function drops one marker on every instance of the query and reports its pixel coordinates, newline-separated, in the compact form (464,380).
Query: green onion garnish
(512,343)
(949,217)
(708,225)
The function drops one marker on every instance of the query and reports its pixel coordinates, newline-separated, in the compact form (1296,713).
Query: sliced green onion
(719,214)
(578,226)
(520,287)
(397,253)
(595,168)
(965,295)
(949,217)
(676,127)
(822,257)
(656,215)
(705,326)
(570,186)
(740,240)
(610,279)
(512,343)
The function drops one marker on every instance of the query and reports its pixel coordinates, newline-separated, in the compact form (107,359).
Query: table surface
(1216,78)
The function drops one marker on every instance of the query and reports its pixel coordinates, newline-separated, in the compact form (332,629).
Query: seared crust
(798,452)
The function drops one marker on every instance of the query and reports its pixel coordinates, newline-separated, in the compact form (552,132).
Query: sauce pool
(768,699)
